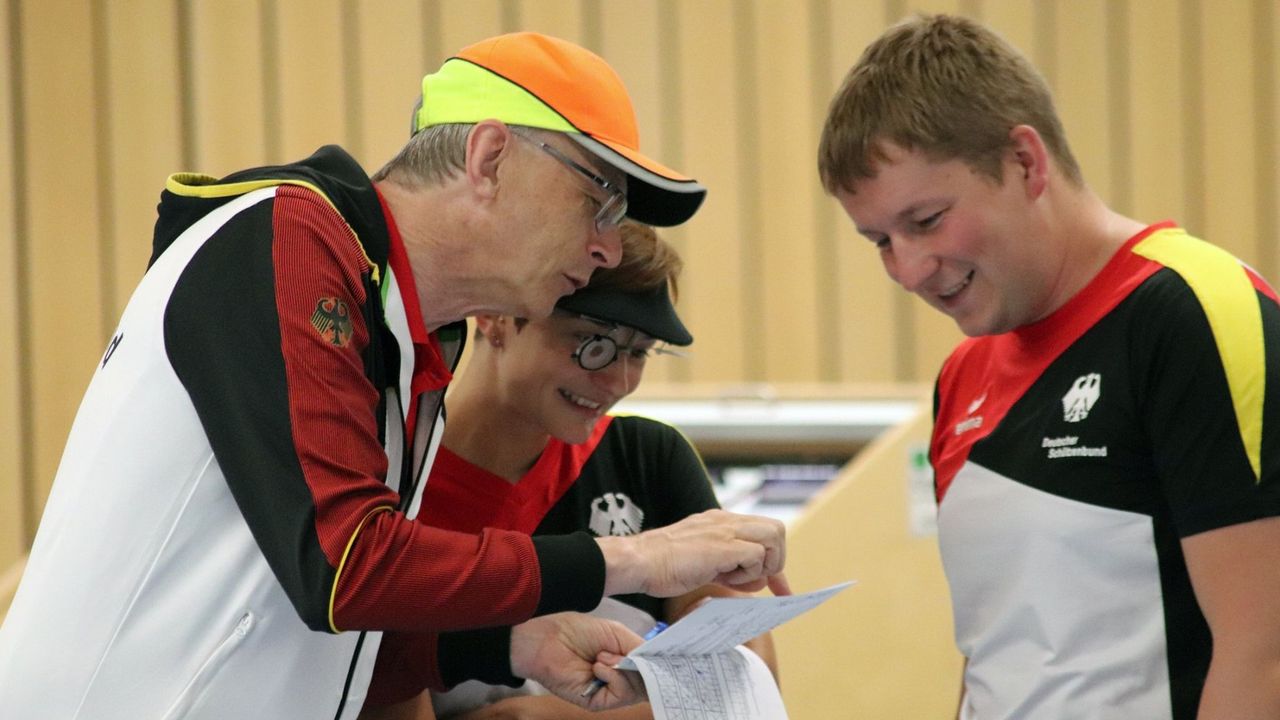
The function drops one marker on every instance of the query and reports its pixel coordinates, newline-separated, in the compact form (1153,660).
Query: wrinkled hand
(566,651)
(744,552)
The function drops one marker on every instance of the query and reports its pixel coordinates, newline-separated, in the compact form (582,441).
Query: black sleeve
(689,487)
(1197,420)
(224,340)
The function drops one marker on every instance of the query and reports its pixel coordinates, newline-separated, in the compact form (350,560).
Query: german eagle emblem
(332,320)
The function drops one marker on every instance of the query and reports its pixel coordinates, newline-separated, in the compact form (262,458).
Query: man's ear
(1031,158)
(488,145)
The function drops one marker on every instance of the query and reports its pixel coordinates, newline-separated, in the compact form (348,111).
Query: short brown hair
(943,85)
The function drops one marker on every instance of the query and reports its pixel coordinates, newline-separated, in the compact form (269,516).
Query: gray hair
(431,156)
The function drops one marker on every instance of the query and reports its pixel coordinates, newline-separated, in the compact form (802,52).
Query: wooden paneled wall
(1171,105)
(883,648)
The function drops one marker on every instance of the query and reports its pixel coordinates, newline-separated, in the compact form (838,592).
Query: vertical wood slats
(1171,106)
(1157,121)
(1230,134)
(866,304)
(789,321)
(311,88)
(714,285)
(397,40)
(1267,87)
(63,242)
(17,494)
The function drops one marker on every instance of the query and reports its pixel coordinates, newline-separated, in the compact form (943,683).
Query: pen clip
(593,688)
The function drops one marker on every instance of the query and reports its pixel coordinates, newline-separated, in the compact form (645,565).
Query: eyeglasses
(611,211)
(598,351)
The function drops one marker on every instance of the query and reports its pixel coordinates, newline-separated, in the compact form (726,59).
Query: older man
(232,520)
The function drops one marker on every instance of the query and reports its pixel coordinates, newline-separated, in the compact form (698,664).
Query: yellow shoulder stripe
(333,591)
(199,185)
(1230,302)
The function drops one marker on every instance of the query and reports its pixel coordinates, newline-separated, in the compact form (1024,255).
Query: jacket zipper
(212,664)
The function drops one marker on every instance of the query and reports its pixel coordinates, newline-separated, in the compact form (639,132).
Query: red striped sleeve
(394,574)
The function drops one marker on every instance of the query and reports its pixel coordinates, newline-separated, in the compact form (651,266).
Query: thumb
(607,658)
(779,585)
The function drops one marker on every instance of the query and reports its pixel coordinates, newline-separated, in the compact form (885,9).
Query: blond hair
(945,86)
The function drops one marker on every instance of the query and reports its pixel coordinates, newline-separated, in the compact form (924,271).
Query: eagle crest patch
(332,319)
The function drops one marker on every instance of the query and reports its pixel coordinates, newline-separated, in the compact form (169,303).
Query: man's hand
(566,651)
(744,552)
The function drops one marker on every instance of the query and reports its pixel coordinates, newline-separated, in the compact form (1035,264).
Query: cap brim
(650,311)
(656,194)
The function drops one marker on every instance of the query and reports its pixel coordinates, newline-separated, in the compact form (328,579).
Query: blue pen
(597,683)
(653,632)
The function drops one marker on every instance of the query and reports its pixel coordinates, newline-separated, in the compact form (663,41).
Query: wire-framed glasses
(612,210)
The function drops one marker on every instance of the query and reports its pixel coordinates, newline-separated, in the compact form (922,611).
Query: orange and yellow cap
(539,81)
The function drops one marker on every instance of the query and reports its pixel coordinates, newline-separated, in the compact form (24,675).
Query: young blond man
(1105,447)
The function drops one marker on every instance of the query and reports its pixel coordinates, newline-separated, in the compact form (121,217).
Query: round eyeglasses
(612,210)
(598,352)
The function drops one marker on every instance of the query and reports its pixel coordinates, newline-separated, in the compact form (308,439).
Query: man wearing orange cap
(232,526)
